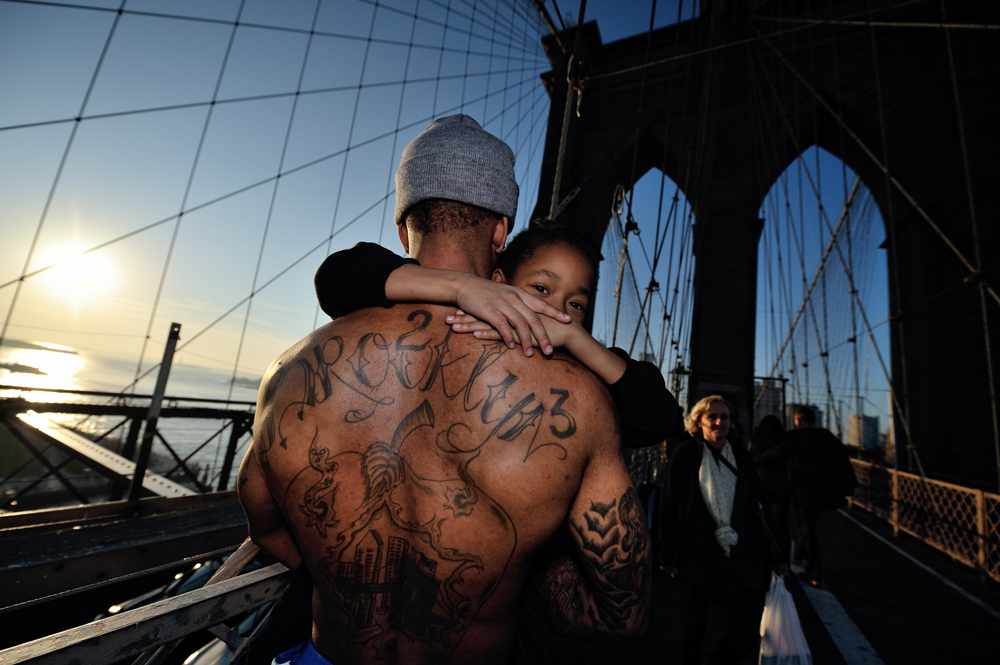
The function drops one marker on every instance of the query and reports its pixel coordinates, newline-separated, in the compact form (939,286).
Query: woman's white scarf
(718,488)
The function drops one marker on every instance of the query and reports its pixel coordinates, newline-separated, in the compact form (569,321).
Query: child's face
(559,274)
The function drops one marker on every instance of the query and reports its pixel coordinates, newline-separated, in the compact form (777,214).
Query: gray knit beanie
(456,159)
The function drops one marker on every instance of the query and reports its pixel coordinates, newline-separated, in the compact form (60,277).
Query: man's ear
(499,235)
(404,236)
(498,276)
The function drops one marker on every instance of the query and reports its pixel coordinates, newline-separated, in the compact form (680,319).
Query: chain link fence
(963,523)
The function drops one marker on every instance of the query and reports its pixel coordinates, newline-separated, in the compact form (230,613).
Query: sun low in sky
(216,165)
(195,162)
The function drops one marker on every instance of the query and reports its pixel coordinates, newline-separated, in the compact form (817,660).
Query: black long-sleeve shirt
(354,278)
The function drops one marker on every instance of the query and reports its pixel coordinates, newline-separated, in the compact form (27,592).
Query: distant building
(770,403)
(862,431)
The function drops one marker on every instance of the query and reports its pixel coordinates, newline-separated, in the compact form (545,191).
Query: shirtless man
(417,472)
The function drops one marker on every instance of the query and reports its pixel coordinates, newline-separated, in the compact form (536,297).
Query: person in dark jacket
(772,455)
(821,477)
(713,536)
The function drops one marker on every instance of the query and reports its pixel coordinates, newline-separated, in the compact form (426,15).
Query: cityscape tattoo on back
(412,548)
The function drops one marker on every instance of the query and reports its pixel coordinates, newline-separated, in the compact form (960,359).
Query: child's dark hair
(526,243)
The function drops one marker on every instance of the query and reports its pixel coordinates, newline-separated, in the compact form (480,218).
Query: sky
(185,191)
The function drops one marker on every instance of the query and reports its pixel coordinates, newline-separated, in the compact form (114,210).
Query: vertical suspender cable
(187,191)
(975,241)
(891,225)
(878,163)
(267,226)
(571,81)
(399,117)
(350,137)
(274,196)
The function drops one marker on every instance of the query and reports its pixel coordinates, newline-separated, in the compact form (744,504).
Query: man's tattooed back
(417,472)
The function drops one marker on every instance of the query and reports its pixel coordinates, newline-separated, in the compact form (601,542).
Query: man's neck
(443,253)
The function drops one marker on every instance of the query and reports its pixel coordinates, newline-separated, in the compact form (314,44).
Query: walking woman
(713,534)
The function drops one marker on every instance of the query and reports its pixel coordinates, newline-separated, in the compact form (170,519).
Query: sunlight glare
(84,276)
(41,369)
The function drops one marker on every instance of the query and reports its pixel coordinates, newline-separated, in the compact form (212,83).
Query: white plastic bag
(782,641)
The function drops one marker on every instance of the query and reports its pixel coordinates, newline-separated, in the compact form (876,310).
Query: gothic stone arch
(716,116)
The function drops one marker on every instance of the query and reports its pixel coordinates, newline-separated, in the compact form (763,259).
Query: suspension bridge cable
(726,45)
(830,245)
(468,47)
(880,24)
(350,137)
(630,224)
(58,175)
(624,252)
(800,251)
(281,273)
(638,114)
(236,192)
(263,286)
(274,196)
(399,118)
(269,96)
(975,240)
(822,214)
(524,44)
(824,339)
(812,313)
(900,327)
(480,19)
(533,193)
(187,191)
(521,39)
(913,308)
(898,186)
(794,140)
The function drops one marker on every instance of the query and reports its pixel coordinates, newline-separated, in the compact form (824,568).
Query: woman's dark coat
(688,529)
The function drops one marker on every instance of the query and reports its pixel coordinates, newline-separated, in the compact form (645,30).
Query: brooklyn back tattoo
(413,549)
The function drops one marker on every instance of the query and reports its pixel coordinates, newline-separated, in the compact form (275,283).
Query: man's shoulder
(414,342)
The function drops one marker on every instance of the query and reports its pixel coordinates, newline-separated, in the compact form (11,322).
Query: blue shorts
(303,654)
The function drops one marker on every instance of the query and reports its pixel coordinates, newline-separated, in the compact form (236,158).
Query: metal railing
(963,523)
(147,635)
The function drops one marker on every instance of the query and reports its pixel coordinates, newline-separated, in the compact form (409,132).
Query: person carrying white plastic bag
(782,641)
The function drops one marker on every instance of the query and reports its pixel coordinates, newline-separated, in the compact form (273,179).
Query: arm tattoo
(606,589)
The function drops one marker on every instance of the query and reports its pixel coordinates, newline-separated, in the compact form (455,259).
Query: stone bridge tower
(733,97)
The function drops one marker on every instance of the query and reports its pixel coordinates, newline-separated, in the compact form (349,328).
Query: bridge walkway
(885,600)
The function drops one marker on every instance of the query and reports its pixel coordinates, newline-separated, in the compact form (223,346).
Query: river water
(41,366)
